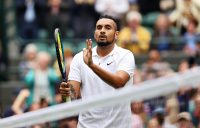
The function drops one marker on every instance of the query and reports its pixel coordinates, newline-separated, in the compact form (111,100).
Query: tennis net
(143,91)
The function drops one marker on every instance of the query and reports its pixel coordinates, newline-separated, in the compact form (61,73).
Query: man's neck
(105,50)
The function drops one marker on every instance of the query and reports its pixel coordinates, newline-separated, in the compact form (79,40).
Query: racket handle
(66,98)
(71,97)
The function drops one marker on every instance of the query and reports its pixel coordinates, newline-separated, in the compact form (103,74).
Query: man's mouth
(102,37)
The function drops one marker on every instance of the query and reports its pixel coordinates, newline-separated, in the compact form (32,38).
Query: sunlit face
(162,23)
(105,32)
(137,107)
(184,124)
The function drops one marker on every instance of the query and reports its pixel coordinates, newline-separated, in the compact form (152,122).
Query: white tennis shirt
(115,116)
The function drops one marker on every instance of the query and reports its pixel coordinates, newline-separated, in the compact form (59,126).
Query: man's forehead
(106,21)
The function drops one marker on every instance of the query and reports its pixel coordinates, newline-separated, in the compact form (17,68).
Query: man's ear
(94,35)
(116,35)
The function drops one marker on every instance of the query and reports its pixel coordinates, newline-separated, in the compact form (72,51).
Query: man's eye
(99,27)
(108,27)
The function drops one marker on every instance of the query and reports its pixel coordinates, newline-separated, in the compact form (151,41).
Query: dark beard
(103,44)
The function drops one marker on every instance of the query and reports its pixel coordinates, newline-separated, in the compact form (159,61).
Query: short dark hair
(112,18)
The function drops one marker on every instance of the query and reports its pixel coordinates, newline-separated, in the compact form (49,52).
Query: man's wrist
(92,66)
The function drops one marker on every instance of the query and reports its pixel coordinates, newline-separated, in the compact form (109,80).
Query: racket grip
(66,98)
(71,97)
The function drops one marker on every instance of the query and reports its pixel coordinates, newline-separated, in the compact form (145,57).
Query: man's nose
(102,31)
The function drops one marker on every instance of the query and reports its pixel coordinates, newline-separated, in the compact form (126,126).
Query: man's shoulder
(123,50)
(78,57)
(79,54)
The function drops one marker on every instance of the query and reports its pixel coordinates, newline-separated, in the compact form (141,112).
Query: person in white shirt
(115,8)
(100,70)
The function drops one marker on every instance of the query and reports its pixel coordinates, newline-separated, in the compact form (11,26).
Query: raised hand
(87,53)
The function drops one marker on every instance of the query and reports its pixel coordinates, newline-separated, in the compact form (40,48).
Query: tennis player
(101,70)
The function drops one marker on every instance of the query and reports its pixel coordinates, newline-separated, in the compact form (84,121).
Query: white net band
(142,91)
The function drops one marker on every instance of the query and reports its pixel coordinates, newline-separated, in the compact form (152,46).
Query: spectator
(184,120)
(29,17)
(196,112)
(162,36)
(42,80)
(190,38)
(184,11)
(68,123)
(172,110)
(115,8)
(183,98)
(167,6)
(153,123)
(134,37)
(146,7)
(83,17)
(159,114)
(183,66)
(155,67)
(18,106)
(28,62)
(197,56)
(139,117)
(56,16)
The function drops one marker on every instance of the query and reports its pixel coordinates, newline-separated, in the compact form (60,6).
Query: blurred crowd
(176,110)
(161,24)
(146,27)
(41,77)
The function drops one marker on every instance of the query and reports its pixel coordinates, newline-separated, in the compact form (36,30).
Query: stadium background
(77,21)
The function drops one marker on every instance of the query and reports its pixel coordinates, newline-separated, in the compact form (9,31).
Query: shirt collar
(94,51)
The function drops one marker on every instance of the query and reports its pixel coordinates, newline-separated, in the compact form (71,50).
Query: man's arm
(116,80)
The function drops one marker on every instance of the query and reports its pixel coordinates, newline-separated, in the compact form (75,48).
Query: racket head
(60,53)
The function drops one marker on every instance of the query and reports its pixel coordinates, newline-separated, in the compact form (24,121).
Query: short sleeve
(75,73)
(127,63)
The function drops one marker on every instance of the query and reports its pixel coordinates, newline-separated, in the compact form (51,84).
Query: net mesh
(143,91)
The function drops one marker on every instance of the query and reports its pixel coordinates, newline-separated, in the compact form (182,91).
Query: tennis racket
(61,59)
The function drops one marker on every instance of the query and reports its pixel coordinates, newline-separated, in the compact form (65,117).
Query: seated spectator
(153,123)
(68,122)
(190,38)
(28,61)
(139,117)
(162,35)
(196,111)
(171,111)
(183,66)
(184,120)
(135,37)
(159,114)
(155,67)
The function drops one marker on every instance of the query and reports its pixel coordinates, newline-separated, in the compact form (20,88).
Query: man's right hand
(65,89)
